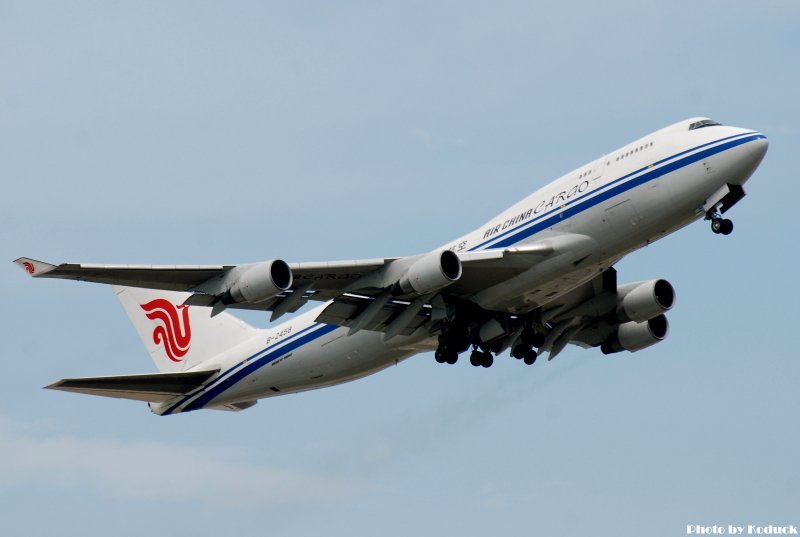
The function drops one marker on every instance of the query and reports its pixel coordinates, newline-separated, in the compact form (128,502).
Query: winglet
(34,267)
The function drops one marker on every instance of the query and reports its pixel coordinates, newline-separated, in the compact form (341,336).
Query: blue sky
(206,132)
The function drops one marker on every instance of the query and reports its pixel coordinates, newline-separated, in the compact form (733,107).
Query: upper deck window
(704,123)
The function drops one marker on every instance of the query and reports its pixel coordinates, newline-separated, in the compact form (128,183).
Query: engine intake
(260,282)
(641,301)
(430,273)
(633,336)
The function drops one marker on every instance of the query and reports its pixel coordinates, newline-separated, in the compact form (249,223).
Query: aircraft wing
(168,277)
(154,388)
(329,277)
(363,294)
(319,281)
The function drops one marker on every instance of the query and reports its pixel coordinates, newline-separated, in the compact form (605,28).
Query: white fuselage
(620,202)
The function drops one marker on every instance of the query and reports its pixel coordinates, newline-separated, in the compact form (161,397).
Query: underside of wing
(380,314)
(266,286)
(282,288)
(154,388)
(331,278)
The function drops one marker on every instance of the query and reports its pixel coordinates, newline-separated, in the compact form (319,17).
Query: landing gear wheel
(721,225)
(530,357)
(476,358)
(518,351)
(487,360)
(446,355)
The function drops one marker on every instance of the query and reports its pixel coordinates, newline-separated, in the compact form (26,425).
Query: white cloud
(156,472)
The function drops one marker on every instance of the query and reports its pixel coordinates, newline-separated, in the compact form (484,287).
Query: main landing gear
(524,348)
(480,358)
(719,225)
(445,355)
(455,339)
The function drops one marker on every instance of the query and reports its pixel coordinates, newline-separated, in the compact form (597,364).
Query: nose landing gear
(719,225)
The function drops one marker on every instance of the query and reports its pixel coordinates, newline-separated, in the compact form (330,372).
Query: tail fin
(180,337)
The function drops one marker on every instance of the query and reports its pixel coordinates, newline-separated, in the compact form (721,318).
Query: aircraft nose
(758,148)
(748,157)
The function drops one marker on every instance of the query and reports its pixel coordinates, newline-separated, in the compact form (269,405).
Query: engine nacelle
(260,282)
(644,300)
(633,336)
(431,273)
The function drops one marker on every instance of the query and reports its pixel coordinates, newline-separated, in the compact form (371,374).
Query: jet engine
(259,282)
(644,300)
(430,273)
(633,336)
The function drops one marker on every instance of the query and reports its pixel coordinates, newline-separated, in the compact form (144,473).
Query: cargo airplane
(533,279)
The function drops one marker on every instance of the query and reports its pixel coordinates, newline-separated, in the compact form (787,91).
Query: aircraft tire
(530,357)
(475,358)
(727,227)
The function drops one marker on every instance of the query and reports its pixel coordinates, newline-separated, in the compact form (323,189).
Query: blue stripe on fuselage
(608,190)
(243,369)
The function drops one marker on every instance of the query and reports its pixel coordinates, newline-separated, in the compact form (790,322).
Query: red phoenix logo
(174,331)
(28,266)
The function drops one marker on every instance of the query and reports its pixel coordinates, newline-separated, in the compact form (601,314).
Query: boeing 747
(531,280)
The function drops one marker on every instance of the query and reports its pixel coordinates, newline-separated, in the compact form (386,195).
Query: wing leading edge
(319,281)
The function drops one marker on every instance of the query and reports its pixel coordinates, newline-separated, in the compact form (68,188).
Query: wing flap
(345,309)
(151,387)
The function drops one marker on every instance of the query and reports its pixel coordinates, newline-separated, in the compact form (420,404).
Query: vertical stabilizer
(180,337)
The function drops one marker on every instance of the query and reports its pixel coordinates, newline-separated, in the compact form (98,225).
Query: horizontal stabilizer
(152,387)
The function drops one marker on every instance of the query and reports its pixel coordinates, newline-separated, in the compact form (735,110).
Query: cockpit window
(704,123)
